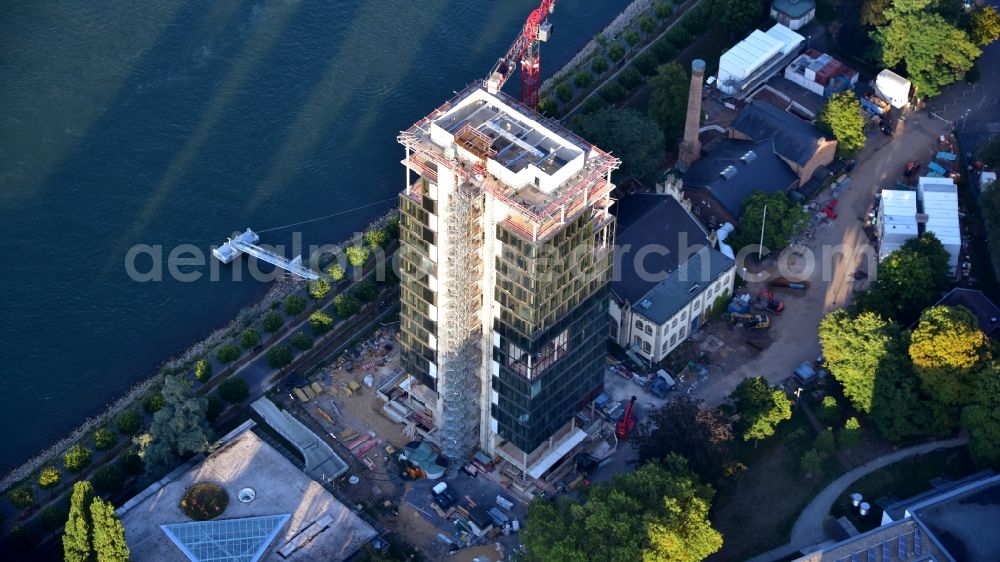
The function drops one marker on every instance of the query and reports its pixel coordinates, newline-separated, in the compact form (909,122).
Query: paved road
(808,529)
(832,286)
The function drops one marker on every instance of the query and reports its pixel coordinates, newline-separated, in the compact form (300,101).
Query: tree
(49,477)
(234,390)
(564,92)
(599,65)
(365,291)
(949,352)
(630,78)
(203,369)
(682,426)
(907,281)
(179,428)
(249,338)
(657,513)
(761,408)
(738,16)
(900,408)
(320,322)
(128,422)
(78,540)
(301,341)
(982,419)
(854,347)
(985,26)
(645,63)
(21,497)
(616,52)
(825,442)
(318,289)
(377,238)
(279,356)
(346,305)
(357,256)
(336,272)
(873,12)
(840,117)
(989,153)
(214,407)
(104,438)
(612,92)
(668,100)
(23,539)
(784,221)
(850,435)
(131,462)
(109,534)
(647,24)
(272,321)
(811,463)
(631,136)
(828,411)
(152,402)
(663,10)
(294,305)
(109,479)
(76,458)
(227,353)
(631,37)
(582,79)
(935,52)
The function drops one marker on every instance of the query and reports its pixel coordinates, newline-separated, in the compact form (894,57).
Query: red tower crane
(525,49)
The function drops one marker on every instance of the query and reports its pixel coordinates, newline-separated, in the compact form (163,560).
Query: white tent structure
(893,88)
(897,220)
(756,58)
(940,199)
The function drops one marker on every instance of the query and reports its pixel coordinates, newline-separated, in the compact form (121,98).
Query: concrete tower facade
(506,245)
(690,149)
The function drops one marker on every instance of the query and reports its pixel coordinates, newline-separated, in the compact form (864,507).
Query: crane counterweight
(524,53)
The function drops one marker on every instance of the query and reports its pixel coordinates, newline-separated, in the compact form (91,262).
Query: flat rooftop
(535,164)
(965,520)
(280,489)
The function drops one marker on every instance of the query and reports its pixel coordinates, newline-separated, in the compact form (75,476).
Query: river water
(171,122)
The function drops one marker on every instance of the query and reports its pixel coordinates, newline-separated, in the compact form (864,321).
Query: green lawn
(902,480)
(756,512)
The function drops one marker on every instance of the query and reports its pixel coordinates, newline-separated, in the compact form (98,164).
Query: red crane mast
(525,50)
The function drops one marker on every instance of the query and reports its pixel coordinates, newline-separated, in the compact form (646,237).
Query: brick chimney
(690,149)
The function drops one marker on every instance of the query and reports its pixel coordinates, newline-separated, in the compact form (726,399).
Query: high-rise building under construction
(506,251)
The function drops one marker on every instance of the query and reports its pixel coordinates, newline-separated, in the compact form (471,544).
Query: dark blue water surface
(172,122)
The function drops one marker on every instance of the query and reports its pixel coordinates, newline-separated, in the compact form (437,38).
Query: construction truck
(751,321)
(628,421)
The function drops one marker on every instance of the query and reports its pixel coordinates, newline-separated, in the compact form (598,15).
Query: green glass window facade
(416,297)
(553,324)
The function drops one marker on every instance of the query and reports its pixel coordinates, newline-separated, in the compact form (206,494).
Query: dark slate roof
(978,304)
(673,293)
(793,138)
(964,521)
(767,172)
(645,220)
(794,8)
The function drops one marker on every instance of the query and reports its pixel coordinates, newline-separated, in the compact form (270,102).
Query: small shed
(893,88)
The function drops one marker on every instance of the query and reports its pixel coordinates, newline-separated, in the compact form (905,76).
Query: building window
(673,338)
(646,347)
(638,324)
(674,323)
(636,340)
(684,316)
(682,332)
(649,329)
(613,327)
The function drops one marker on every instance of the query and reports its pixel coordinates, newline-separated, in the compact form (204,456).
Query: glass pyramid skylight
(226,540)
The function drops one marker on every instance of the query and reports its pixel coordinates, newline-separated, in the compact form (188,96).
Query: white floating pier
(246,243)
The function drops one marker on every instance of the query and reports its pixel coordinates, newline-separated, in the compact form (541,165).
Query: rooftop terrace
(544,172)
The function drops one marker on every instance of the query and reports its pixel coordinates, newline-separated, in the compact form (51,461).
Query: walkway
(321,462)
(680,10)
(808,529)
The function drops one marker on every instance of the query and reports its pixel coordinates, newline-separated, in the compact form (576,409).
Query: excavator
(625,425)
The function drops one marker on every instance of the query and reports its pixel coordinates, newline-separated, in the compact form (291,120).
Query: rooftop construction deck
(541,171)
